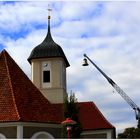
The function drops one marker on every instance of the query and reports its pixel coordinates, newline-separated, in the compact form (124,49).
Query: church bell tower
(48,64)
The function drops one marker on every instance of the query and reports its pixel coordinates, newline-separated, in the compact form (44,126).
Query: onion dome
(48,49)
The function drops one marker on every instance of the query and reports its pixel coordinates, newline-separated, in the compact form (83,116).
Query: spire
(49,17)
(48,48)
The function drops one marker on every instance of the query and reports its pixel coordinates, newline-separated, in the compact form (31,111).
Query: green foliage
(130,133)
(71,111)
(70,108)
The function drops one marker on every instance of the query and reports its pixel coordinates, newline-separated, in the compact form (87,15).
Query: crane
(118,89)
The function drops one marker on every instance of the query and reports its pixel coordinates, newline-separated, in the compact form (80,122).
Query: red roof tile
(91,118)
(20,100)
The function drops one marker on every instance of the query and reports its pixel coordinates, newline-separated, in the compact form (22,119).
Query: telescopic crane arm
(120,91)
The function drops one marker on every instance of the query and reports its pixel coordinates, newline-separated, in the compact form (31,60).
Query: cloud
(107,31)
(14,18)
(74,11)
(21,48)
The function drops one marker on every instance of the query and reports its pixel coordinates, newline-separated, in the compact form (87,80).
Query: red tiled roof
(20,100)
(91,118)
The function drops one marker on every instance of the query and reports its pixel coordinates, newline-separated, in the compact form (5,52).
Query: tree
(71,110)
(130,133)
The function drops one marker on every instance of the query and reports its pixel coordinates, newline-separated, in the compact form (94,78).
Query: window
(46,76)
(2,136)
(42,135)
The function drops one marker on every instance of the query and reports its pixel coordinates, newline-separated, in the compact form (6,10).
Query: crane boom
(120,91)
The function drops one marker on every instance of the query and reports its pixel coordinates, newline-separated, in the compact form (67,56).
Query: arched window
(42,135)
(2,136)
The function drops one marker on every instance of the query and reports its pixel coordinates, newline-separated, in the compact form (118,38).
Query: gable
(20,100)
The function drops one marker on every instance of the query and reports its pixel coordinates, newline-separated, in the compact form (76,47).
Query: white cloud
(76,11)
(113,44)
(22,14)
(20,49)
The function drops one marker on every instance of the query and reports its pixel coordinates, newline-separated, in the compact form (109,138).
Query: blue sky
(108,32)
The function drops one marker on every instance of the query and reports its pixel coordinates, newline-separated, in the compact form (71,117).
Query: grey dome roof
(48,49)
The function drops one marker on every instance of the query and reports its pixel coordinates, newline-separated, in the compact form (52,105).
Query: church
(34,108)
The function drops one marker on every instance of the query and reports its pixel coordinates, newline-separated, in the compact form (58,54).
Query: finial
(49,11)
(49,17)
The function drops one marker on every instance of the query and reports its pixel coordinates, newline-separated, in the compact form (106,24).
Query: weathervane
(49,11)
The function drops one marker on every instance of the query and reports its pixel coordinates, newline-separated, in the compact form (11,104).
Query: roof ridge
(9,79)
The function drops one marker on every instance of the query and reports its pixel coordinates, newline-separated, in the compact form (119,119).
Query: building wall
(55,91)
(9,132)
(20,130)
(44,130)
(98,134)
(29,131)
(95,136)
(55,95)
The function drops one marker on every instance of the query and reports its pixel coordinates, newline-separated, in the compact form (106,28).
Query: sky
(107,31)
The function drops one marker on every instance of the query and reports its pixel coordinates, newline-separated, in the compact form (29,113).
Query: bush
(130,133)
(71,111)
